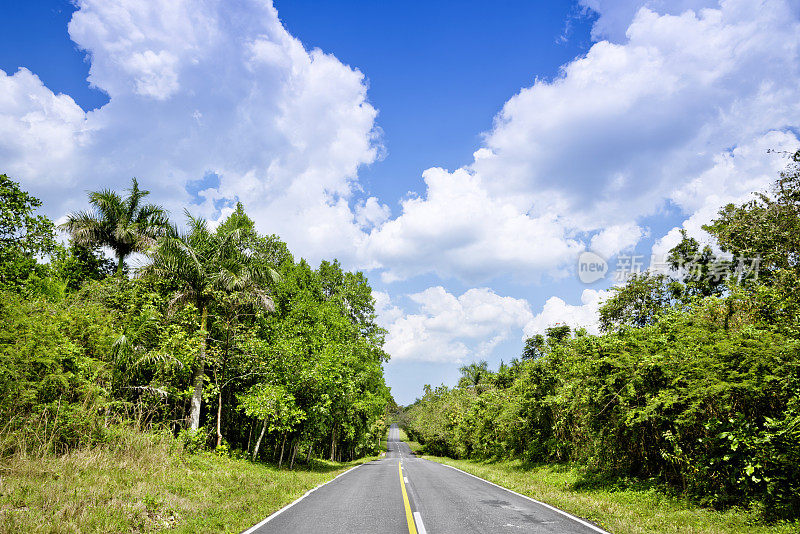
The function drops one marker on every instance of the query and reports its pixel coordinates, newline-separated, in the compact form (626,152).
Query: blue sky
(463,154)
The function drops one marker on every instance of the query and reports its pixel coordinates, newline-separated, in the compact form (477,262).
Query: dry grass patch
(146,483)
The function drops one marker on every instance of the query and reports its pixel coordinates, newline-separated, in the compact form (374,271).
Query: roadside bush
(53,373)
(709,411)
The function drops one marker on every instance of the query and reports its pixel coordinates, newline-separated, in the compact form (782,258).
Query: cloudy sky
(463,154)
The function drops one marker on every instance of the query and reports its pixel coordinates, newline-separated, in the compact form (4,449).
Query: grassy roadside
(617,509)
(415,447)
(146,483)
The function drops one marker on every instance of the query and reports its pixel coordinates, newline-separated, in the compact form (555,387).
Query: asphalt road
(403,494)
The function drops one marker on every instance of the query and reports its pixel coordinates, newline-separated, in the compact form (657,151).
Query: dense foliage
(695,384)
(223,337)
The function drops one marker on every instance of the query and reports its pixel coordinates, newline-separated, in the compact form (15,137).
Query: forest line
(693,385)
(222,338)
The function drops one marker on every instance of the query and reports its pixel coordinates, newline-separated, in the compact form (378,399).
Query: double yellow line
(412,528)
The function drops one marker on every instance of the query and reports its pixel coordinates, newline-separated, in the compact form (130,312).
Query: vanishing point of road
(403,494)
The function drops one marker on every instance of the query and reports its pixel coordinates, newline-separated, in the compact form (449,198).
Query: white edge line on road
(306,494)
(420,524)
(562,512)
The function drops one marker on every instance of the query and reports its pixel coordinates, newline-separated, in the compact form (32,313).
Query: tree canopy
(223,338)
(125,225)
(694,384)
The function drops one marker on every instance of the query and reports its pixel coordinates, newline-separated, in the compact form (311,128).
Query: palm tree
(241,289)
(205,262)
(122,224)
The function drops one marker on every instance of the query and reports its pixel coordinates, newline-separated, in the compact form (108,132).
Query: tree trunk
(294,453)
(280,461)
(260,437)
(308,456)
(222,372)
(120,265)
(219,418)
(199,372)
(333,444)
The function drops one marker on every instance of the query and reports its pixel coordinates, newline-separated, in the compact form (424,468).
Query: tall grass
(144,482)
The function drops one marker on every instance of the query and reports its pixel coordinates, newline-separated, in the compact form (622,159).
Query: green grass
(146,483)
(415,447)
(617,508)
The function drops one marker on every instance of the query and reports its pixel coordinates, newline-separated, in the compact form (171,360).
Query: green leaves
(122,224)
(640,302)
(274,404)
(687,401)
(23,235)
(221,318)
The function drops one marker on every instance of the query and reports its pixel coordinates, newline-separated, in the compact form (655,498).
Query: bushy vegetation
(140,481)
(223,339)
(694,384)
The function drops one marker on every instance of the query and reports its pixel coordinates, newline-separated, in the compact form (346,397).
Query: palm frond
(123,350)
(132,202)
(152,220)
(85,229)
(118,223)
(263,299)
(109,205)
(197,225)
(157,357)
(181,297)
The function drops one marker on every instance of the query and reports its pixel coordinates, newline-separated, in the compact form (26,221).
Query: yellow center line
(412,528)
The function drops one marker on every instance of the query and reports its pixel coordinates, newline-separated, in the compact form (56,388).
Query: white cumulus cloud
(460,228)
(456,328)
(213,88)
(557,311)
(581,159)
(733,179)
(450,328)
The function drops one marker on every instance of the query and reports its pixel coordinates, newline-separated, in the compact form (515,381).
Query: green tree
(763,235)
(474,375)
(558,333)
(702,273)
(77,264)
(202,263)
(275,407)
(767,227)
(639,302)
(125,225)
(534,347)
(242,288)
(23,235)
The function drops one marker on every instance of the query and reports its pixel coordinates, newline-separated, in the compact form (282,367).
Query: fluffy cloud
(733,178)
(41,131)
(202,89)
(620,128)
(459,228)
(614,16)
(448,328)
(616,238)
(583,158)
(556,311)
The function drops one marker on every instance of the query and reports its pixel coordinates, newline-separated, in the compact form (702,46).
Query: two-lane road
(406,495)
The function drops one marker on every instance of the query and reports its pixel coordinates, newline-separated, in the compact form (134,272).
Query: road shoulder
(617,510)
